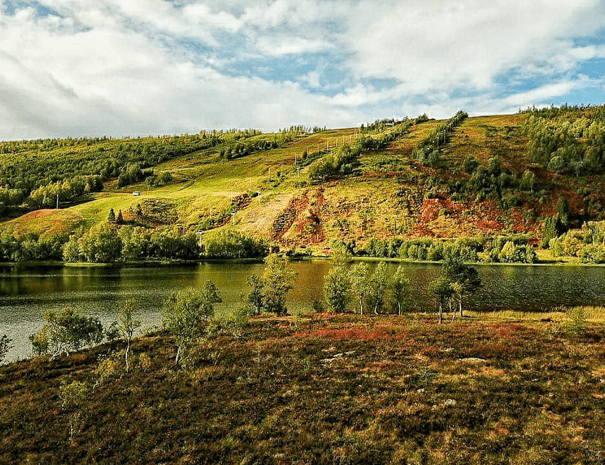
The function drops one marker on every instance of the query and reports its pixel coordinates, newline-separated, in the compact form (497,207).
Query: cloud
(468,43)
(283,45)
(75,67)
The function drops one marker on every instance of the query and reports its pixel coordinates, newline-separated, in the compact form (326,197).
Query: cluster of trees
(343,160)
(456,280)
(31,247)
(379,125)
(10,196)
(490,180)
(68,331)
(375,292)
(243,149)
(423,249)
(504,249)
(113,241)
(47,164)
(108,242)
(159,180)
(233,244)
(567,140)
(340,162)
(133,174)
(586,243)
(429,149)
(513,249)
(268,291)
(64,191)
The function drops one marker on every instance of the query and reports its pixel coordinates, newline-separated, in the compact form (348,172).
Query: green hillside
(476,177)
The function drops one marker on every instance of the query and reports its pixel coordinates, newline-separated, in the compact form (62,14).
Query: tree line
(429,148)
(499,249)
(342,160)
(567,140)
(35,171)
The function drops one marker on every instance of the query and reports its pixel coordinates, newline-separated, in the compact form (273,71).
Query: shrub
(65,332)
(577,318)
(184,314)
(277,281)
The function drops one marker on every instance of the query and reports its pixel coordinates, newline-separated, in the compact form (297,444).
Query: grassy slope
(385,199)
(329,389)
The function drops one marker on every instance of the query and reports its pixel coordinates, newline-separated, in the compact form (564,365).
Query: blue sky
(139,67)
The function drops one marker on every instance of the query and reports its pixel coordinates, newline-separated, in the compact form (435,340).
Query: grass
(323,389)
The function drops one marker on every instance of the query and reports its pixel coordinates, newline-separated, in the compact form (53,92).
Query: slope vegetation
(481,179)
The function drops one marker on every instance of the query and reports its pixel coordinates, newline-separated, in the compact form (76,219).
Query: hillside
(484,181)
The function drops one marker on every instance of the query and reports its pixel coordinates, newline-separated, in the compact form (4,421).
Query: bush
(277,281)
(65,332)
(184,314)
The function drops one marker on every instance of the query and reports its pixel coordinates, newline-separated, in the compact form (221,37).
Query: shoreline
(144,263)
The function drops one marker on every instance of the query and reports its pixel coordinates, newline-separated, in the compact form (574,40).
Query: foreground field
(323,389)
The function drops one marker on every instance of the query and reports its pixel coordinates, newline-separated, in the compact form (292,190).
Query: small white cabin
(136,193)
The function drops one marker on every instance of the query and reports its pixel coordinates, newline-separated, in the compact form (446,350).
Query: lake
(27,291)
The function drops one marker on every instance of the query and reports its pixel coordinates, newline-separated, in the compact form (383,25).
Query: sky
(72,68)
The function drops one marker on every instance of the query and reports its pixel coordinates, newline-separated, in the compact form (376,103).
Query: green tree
(65,332)
(464,279)
(111,218)
(441,288)
(184,314)
(277,281)
(399,288)
(336,288)
(5,345)
(254,298)
(360,283)
(378,285)
(563,210)
(120,218)
(550,230)
(127,326)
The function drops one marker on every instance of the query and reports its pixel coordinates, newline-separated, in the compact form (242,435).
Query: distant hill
(485,176)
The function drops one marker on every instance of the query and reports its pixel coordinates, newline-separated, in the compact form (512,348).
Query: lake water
(26,292)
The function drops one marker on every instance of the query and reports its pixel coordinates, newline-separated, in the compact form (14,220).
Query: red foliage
(355,333)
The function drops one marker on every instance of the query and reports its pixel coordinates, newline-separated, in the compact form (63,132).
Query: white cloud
(159,66)
(283,45)
(436,45)
(312,79)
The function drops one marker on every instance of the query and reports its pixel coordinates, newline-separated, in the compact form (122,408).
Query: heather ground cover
(321,389)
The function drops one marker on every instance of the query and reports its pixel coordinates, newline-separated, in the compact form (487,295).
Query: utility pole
(57,201)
